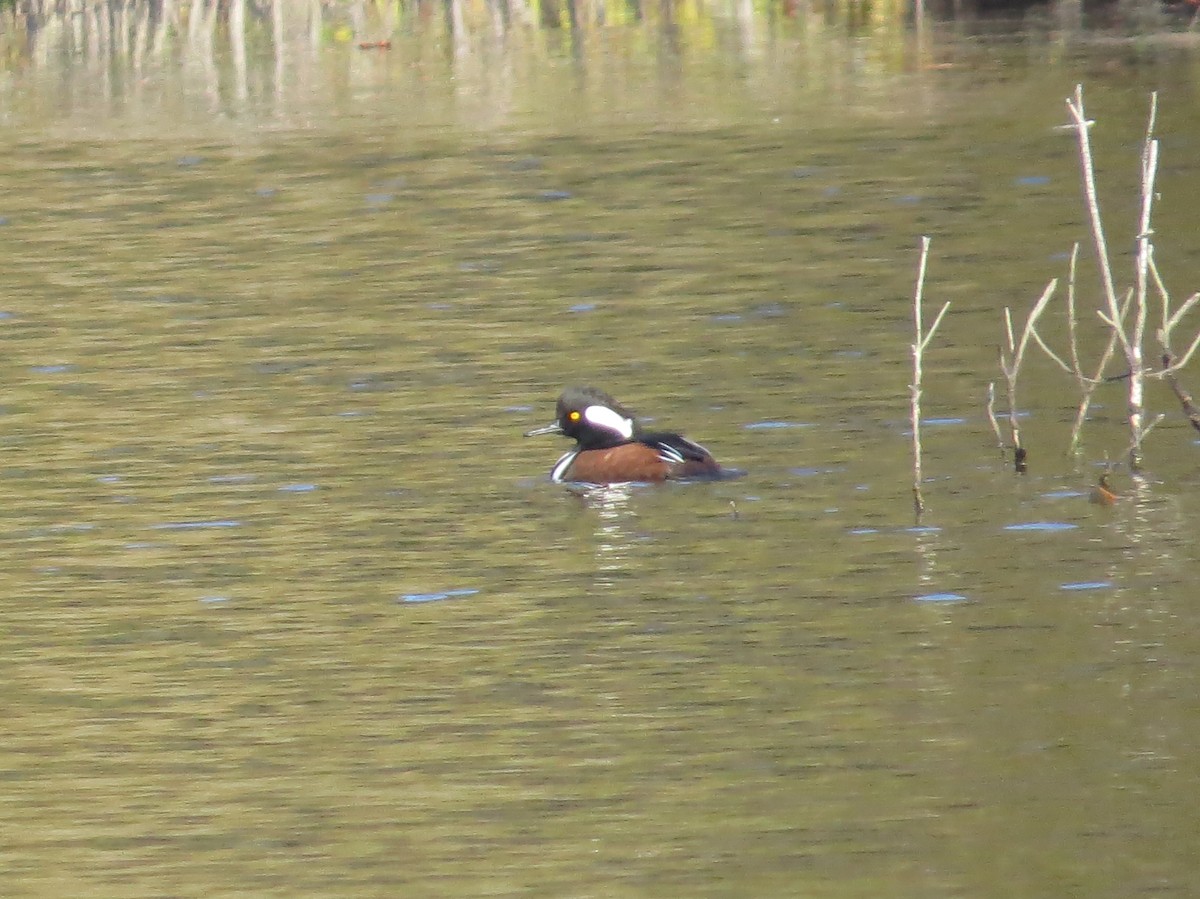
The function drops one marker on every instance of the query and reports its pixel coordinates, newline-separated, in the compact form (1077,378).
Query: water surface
(293,609)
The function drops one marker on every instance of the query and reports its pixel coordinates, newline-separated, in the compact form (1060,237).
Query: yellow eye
(574,415)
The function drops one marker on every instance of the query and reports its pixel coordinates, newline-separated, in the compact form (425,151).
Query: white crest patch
(604,417)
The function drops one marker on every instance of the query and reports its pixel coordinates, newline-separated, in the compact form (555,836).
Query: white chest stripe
(561,466)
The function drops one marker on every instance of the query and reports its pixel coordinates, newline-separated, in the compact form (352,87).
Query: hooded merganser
(610,448)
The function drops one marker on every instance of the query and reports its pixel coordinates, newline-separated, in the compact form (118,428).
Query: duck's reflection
(614,529)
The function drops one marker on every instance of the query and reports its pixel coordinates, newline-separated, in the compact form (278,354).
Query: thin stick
(1075,106)
(918,351)
(1137,374)
(1170,364)
(1010,365)
(1170,320)
(991,414)
(1139,437)
(1087,386)
(1074,367)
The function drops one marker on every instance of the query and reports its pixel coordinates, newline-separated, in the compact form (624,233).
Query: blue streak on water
(51,369)
(1041,526)
(435,597)
(941,597)
(195,525)
(923,529)
(1063,494)
(212,600)
(775,425)
(298,488)
(1088,585)
(1032,180)
(935,422)
(582,307)
(858,531)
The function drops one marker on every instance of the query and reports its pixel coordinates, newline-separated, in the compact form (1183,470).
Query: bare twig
(1010,365)
(1087,385)
(1137,374)
(1081,124)
(918,348)
(1170,364)
(1129,335)
(991,414)
(1140,436)
(1170,320)
(1185,399)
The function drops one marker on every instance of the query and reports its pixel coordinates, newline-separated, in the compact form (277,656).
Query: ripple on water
(195,525)
(52,369)
(775,425)
(436,597)
(1087,585)
(1041,526)
(940,597)
(942,422)
(812,472)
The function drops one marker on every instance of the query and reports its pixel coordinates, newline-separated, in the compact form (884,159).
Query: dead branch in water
(1087,384)
(1126,318)
(990,408)
(1010,365)
(918,348)
(1171,364)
